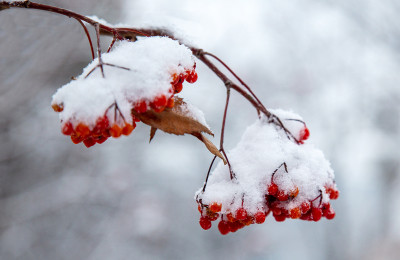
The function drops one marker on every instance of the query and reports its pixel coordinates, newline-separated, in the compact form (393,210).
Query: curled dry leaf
(178,120)
(210,146)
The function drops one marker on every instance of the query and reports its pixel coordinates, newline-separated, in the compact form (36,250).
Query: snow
(262,149)
(150,61)
(187,109)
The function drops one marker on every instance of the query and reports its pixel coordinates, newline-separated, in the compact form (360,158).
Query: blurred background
(335,62)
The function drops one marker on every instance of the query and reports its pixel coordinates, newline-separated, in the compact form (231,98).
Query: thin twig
(221,144)
(208,173)
(88,36)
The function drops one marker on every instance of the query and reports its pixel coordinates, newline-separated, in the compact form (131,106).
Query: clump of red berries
(114,124)
(101,131)
(283,202)
(230,221)
(159,103)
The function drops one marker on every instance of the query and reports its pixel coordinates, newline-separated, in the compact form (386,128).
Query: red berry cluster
(116,125)
(312,210)
(278,200)
(167,101)
(229,222)
(102,130)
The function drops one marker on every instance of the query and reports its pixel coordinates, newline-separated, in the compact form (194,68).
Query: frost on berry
(273,173)
(139,76)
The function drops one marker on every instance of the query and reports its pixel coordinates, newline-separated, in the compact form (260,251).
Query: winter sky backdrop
(335,63)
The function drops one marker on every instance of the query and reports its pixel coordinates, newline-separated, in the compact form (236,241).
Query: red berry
(178,87)
(171,102)
(82,130)
(67,128)
(192,77)
(334,194)
(230,217)
(279,218)
(234,226)
(223,227)
(272,189)
(305,207)
(128,128)
(316,214)
(215,207)
(306,216)
(76,139)
(141,106)
(330,214)
(135,119)
(58,107)
(304,134)
(101,125)
(282,195)
(115,131)
(295,213)
(260,217)
(241,214)
(88,142)
(101,139)
(205,222)
(160,101)
(213,216)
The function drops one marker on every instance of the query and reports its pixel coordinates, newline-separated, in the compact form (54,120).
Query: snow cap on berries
(145,71)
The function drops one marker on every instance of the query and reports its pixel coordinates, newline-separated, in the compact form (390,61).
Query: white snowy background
(334,62)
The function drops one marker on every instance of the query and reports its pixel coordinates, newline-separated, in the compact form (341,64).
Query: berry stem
(208,173)
(221,145)
(88,36)
(273,174)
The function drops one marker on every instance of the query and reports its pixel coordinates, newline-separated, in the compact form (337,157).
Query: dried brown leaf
(210,146)
(153,131)
(178,121)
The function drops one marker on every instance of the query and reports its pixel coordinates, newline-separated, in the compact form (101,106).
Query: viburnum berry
(141,106)
(304,134)
(295,213)
(234,226)
(215,207)
(260,217)
(241,214)
(230,217)
(178,87)
(205,222)
(282,195)
(76,139)
(279,218)
(67,128)
(128,128)
(330,214)
(82,130)
(192,77)
(89,142)
(115,131)
(272,189)
(224,227)
(305,207)
(171,102)
(57,107)
(101,139)
(316,214)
